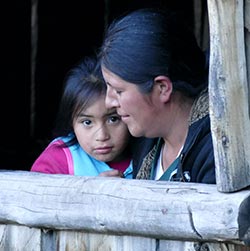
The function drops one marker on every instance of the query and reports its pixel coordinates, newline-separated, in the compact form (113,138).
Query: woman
(156,78)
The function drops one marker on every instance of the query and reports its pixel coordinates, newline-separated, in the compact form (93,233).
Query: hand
(112,173)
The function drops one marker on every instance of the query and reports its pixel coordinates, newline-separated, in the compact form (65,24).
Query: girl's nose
(102,134)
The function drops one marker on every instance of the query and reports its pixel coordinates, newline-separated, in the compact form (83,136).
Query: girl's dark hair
(150,42)
(83,85)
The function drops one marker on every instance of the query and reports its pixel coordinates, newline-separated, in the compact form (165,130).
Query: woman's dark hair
(149,42)
(83,85)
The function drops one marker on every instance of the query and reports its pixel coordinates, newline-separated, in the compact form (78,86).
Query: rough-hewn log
(229,96)
(161,210)
(247,14)
(247,44)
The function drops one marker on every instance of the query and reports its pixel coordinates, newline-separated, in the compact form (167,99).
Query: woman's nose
(111,99)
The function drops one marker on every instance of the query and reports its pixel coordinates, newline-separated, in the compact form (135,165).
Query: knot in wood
(224,140)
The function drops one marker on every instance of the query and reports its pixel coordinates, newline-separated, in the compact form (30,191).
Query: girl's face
(101,132)
(137,110)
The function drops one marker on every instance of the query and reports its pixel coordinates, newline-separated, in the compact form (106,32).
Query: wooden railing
(41,212)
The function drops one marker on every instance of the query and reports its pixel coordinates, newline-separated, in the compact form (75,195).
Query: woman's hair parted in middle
(149,42)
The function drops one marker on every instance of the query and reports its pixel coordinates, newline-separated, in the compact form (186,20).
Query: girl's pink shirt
(121,166)
(53,160)
(58,160)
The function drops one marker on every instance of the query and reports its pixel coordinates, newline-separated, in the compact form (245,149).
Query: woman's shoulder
(200,108)
(141,148)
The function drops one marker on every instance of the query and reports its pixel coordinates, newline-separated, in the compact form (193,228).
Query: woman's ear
(164,86)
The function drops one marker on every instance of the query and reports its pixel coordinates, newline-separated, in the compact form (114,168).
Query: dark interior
(66,31)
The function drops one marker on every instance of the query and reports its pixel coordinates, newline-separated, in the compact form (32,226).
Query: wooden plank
(19,238)
(22,238)
(198,246)
(201,29)
(169,245)
(155,209)
(80,241)
(229,96)
(247,14)
(247,44)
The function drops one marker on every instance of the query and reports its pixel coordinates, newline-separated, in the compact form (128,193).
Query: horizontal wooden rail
(161,210)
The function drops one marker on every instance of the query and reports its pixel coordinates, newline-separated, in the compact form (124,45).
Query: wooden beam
(247,44)
(21,238)
(155,209)
(229,95)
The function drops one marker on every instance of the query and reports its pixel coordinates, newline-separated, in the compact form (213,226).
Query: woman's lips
(124,117)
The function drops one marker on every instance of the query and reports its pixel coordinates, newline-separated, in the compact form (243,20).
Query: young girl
(89,139)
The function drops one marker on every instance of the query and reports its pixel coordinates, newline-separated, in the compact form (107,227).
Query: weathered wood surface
(19,238)
(155,209)
(199,246)
(22,238)
(229,95)
(247,43)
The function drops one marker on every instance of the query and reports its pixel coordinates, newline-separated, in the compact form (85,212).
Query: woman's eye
(118,92)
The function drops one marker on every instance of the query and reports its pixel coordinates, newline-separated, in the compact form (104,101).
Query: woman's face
(136,109)
(101,132)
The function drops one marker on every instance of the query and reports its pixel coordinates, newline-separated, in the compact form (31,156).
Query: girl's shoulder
(53,160)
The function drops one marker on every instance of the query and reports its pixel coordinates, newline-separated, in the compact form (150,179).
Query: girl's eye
(114,119)
(86,122)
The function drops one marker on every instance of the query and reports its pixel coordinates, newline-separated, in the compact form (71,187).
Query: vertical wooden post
(34,40)
(247,44)
(228,91)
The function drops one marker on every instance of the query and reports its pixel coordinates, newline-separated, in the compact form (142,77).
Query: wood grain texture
(229,95)
(160,210)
